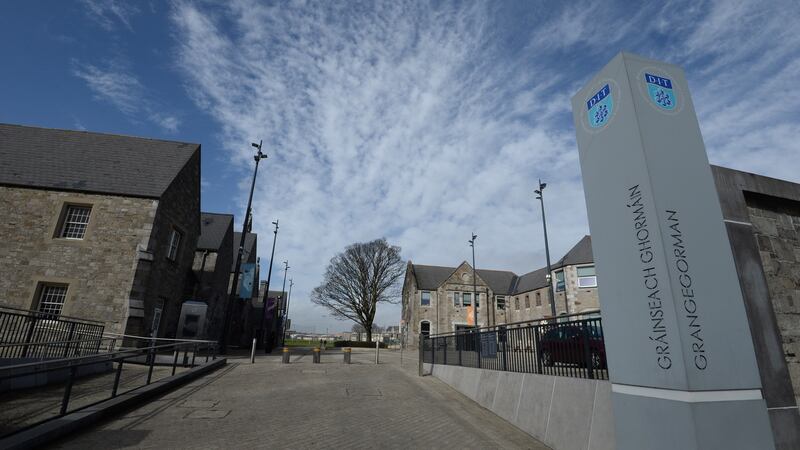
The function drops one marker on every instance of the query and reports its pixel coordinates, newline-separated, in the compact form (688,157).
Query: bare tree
(359,278)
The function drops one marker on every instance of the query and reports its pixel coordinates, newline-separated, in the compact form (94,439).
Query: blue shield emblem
(600,107)
(660,90)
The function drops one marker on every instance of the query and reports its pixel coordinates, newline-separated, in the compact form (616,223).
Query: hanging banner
(246,283)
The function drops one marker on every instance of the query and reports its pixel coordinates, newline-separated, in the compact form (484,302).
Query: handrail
(48,316)
(147,338)
(546,320)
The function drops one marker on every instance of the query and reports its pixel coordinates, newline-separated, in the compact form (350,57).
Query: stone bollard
(316,355)
(347,351)
(286,355)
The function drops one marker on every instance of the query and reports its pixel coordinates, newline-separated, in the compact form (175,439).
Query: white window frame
(564,276)
(463,302)
(593,277)
(422,295)
(456,297)
(66,222)
(46,305)
(174,247)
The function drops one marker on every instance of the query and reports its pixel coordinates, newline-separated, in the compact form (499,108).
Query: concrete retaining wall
(564,413)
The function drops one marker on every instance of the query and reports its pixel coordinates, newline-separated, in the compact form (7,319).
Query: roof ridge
(99,133)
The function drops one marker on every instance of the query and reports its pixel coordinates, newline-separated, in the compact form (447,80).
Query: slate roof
(213,228)
(431,277)
(531,280)
(249,254)
(580,253)
(503,281)
(90,162)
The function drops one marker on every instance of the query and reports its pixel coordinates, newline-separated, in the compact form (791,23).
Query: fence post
(445,350)
(505,349)
(194,354)
(460,345)
(478,338)
(28,336)
(587,352)
(69,339)
(152,356)
(421,351)
(68,390)
(116,379)
(537,346)
(175,360)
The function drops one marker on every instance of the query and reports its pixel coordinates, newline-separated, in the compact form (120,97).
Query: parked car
(568,344)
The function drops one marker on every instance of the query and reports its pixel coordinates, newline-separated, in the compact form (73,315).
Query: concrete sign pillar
(680,355)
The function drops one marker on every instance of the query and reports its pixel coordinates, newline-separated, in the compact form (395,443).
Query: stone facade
(119,272)
(511,298)
(776,226)
(98,270)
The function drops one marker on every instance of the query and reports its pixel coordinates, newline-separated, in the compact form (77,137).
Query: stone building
(440,299)
(211,272)
(98,226)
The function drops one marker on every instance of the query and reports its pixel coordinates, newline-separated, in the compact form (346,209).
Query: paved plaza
(305,405)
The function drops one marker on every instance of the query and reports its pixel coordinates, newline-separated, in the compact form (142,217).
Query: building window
(477,300)
(560,285)
(587,277)
(516,303)
(174,244)
(538,299)
(500,301)
(425,298)
(527,302)
(51,299)
(456,299)
(466,298)
(425,328)
(76,219)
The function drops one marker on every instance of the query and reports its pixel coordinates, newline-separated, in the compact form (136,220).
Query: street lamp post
(266,290)
(288,299)
(551,295)
(285,309)
(475,300)
(223,345)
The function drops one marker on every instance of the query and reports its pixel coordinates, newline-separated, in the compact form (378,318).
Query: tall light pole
(551,295)
(223,344)
(288,299)
(266,290)
(474,281)
(285,310)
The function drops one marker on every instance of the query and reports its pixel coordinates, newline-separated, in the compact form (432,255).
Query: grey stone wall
(210,284)
(776,226)
(159,281)
(99,269)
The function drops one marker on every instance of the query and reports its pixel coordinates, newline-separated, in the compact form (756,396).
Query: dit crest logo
(660,91)
(601,107)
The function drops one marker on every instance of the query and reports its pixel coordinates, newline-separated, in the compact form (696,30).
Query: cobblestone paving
(305,405)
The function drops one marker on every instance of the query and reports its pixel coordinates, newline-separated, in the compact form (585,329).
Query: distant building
(207,287)
(439,299)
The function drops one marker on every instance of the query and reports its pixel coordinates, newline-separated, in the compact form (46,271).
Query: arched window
(538,299)
(516,303)
(425,328)
(527,302)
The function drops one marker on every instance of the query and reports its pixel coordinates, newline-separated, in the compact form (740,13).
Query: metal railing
(102,373)
(32,334)
(570,346)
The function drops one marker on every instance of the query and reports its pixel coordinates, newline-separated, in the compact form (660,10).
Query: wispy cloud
(424,123)
(117,85)
(109,14)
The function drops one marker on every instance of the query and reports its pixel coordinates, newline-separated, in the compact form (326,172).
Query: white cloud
(118,86)
(111,13)
(424,124)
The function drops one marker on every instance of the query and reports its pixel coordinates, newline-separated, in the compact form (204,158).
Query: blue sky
(417,121)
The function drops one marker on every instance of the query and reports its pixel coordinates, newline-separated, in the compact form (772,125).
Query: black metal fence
(31,334)
(570,346)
